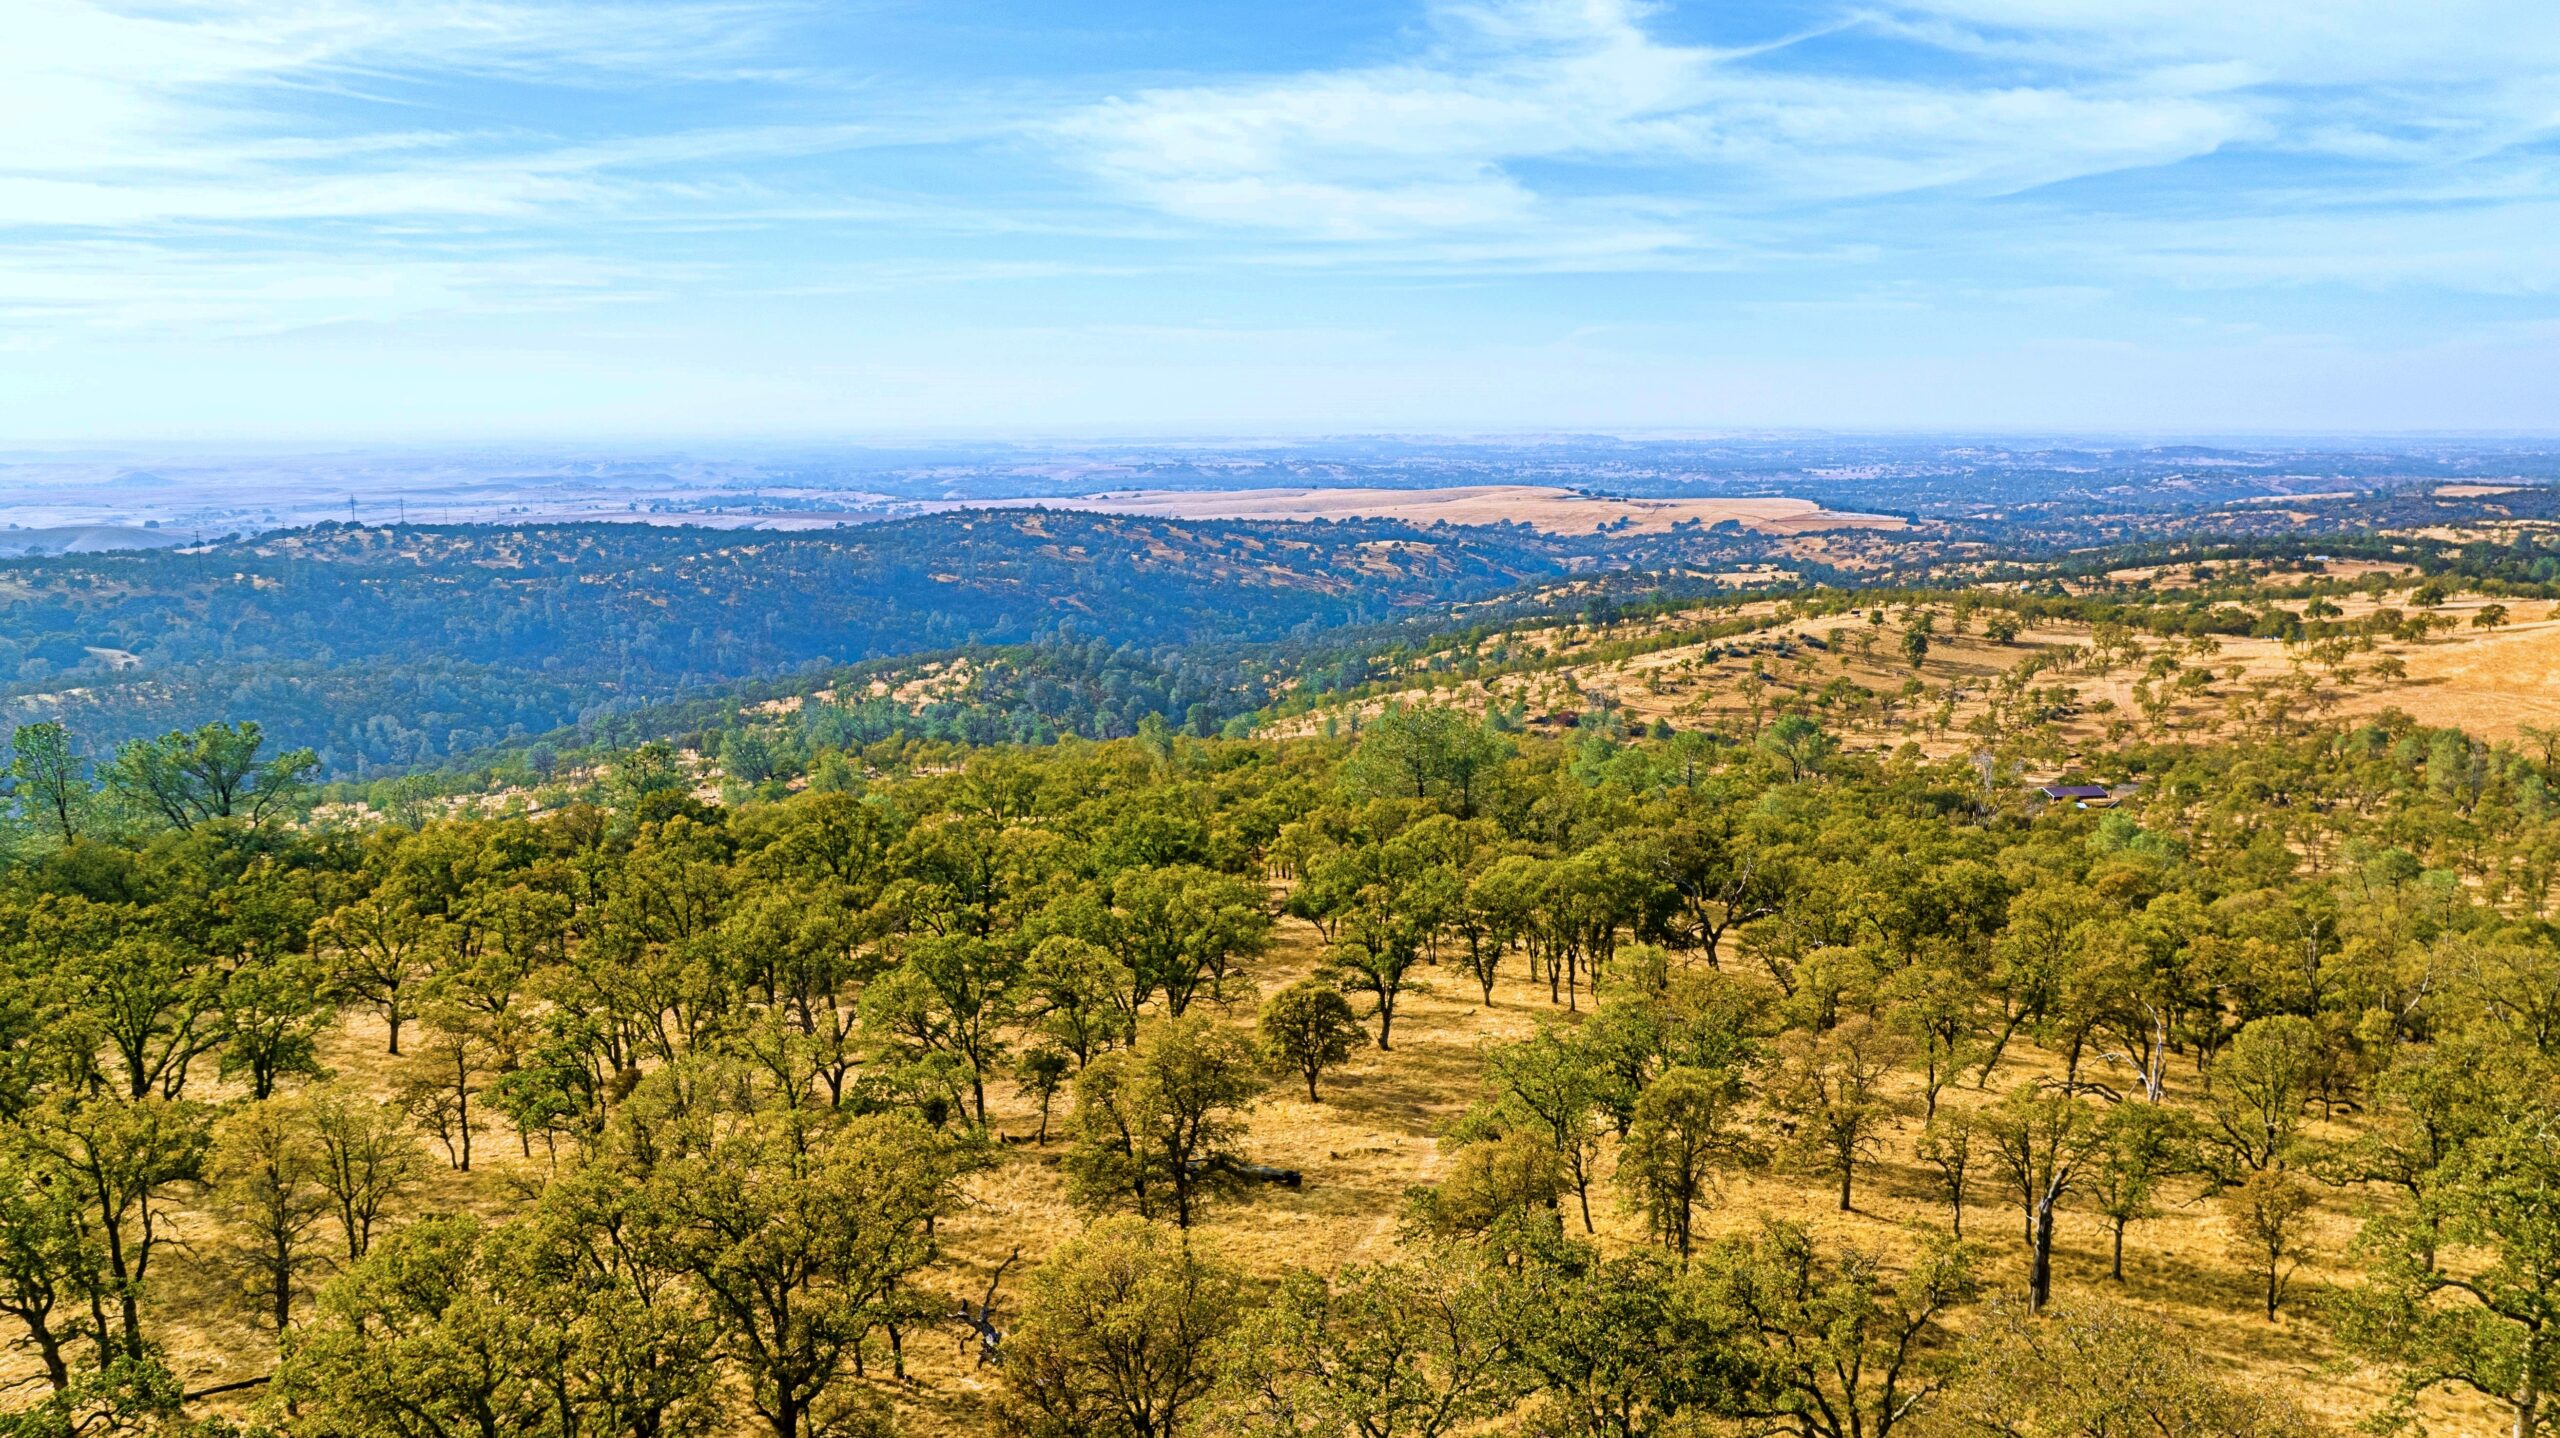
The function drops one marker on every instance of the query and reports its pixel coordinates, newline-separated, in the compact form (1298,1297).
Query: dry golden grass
(2493,683)
(1557,511)
(196,1305)
(1374,1136)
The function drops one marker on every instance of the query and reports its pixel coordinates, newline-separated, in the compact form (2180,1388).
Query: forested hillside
(2155,640)
(1435,1079)
(389,649)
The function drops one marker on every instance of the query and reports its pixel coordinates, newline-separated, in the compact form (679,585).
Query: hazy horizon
(1060,441)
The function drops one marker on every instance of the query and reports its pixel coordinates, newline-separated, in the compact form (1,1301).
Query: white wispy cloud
(119,115)
(1568,127)
(1443,142)
(253,167)
(158,291)
(2345,42)
(2382,80)
(247,166)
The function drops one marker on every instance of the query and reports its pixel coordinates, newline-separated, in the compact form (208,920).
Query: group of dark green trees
(747,1064)
(386,649)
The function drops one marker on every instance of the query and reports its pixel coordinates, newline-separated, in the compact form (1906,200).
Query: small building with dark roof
(2087,796)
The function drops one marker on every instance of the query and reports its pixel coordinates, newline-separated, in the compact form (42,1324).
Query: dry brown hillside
(2496,682)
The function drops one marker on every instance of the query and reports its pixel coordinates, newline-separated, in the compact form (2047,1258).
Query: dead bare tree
(981,1321)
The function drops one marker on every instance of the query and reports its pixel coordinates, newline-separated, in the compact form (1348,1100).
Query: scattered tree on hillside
(1119,1336)
(1685,1128)
(266,1171)
(2043,1140)
(209,774)
(2267,1215)
(1157,1126)
(2095,1372)
(1831,1093)
(1414,1348)
(1308,1027)
(1836,1346)
(51,777)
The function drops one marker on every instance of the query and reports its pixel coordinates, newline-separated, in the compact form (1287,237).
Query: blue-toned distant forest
(387,649)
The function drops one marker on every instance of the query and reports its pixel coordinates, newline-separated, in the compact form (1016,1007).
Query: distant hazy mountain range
(85,539)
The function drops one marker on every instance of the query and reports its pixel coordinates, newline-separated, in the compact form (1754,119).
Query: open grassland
(1373,1138)
(1556,511)
(2491,683)
(2495,682)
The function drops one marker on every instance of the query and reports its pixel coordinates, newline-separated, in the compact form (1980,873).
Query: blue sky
(480,219)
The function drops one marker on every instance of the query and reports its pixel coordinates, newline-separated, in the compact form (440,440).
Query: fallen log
(1259,1172)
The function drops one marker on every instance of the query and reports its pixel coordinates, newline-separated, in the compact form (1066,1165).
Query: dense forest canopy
(386,649)
(658,1115)
(2308,620)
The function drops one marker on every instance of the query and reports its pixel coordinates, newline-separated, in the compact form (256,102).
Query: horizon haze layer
(179,495)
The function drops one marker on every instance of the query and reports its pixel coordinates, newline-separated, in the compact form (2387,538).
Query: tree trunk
(2116,1269)
(2040,1275)
(49,1347)
(1999,1046)
(283,1294)
(127,1297)
(98,1325)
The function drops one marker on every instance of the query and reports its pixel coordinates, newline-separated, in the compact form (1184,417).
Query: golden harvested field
(1557,511)
(2492,684)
